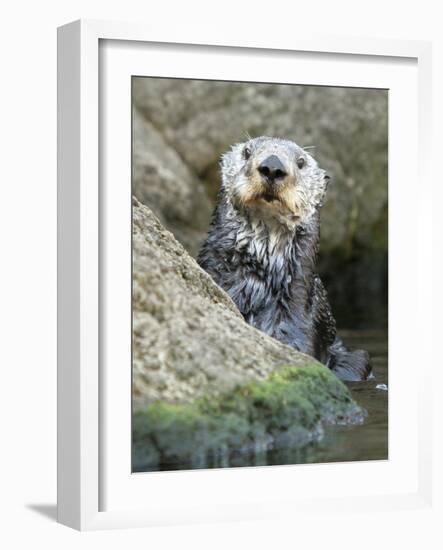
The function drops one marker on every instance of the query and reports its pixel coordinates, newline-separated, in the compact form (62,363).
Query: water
(368,441)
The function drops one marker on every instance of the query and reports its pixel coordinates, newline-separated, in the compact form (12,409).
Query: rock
(162,180)
(257,423)
(206,385)
(189,337)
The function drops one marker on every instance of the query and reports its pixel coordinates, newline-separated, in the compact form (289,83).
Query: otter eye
(301,162)
(246,153)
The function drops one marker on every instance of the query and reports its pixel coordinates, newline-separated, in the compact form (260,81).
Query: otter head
(273,180)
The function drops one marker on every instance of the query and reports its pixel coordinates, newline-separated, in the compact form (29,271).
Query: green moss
(287,411)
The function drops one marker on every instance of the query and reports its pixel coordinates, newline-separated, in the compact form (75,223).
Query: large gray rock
(208,389)
(189,339)
(165,182)
(347,126)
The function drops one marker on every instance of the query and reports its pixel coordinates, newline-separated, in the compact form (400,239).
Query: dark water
(368,441)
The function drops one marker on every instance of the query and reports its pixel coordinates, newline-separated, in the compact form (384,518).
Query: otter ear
(327,179)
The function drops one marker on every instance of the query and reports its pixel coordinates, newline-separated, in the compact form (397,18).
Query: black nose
(272,169)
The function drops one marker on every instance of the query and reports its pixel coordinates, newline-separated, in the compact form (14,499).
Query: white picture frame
(83,443)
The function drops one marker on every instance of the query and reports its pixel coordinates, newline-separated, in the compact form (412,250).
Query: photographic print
(259,274)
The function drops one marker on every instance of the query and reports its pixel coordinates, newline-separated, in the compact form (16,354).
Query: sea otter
(262,249)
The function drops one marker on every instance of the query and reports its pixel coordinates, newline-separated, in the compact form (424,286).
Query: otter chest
(268,285)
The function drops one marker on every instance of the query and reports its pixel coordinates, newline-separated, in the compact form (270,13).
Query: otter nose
(272,169)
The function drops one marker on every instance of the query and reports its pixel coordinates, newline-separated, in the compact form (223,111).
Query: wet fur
(264,252)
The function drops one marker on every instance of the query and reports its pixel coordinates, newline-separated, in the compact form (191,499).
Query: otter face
(273,180)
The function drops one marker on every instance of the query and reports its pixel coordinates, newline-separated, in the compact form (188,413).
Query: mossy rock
(284,413)
(189,338)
